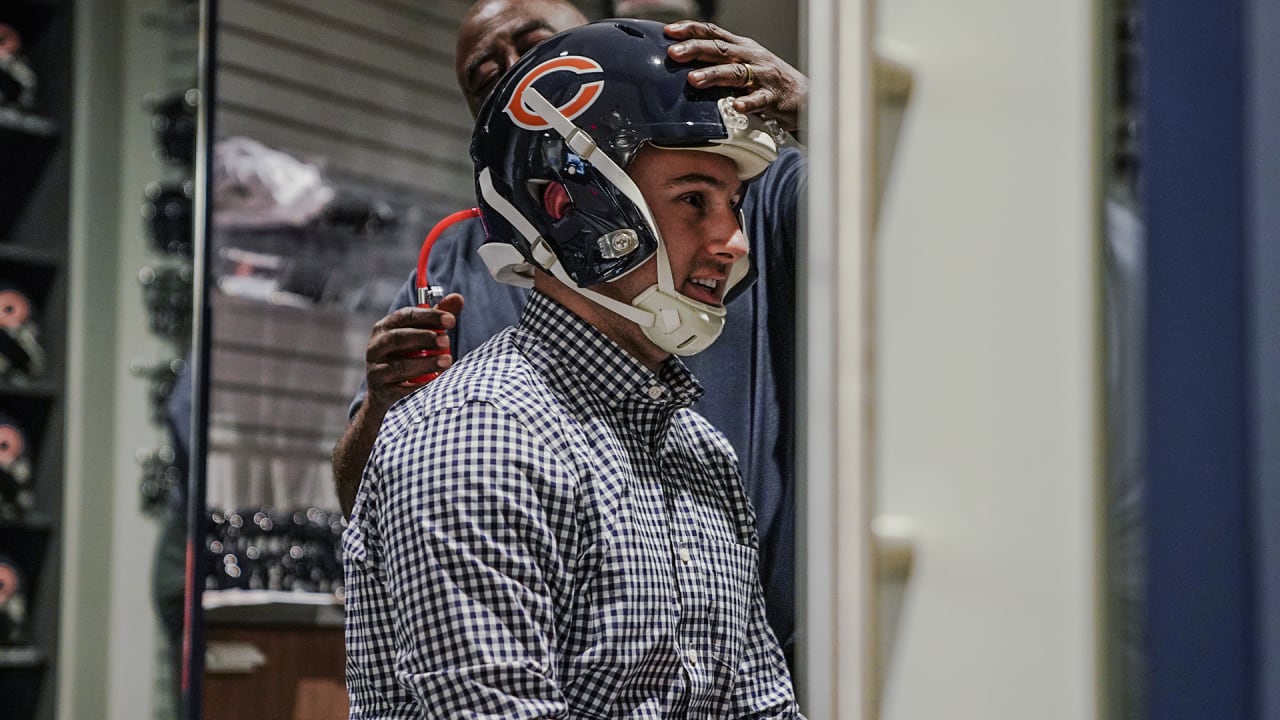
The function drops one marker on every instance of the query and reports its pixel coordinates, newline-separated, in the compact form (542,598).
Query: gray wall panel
(366,86)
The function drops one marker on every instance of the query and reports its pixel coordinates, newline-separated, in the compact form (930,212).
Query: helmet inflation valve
(734,121)
(430,296)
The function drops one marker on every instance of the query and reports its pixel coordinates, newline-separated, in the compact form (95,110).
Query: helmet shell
(614,80)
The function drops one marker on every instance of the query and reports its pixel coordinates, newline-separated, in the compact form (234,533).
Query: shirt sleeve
(469,551)
(774,211)
(768,458)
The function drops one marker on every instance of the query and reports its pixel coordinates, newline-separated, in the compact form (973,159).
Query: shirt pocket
(731,585)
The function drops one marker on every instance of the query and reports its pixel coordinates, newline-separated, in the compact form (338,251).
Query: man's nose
(729,241)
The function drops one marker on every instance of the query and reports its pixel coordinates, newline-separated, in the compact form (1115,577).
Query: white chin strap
(675,323)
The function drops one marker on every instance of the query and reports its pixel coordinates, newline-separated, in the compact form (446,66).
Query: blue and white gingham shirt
(547,531)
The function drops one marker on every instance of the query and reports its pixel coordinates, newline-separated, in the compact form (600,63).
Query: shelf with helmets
(35,204)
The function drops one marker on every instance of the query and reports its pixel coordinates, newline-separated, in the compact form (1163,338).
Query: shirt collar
(570,348)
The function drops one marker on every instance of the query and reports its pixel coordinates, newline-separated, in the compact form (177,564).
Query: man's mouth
(705,290)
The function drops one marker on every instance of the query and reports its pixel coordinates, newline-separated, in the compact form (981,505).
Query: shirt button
(684,555)
(655,391)
(693,657)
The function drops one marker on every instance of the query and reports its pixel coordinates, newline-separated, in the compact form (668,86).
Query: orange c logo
(524,117)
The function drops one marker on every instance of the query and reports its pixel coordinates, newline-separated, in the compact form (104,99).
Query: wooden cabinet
(258,671)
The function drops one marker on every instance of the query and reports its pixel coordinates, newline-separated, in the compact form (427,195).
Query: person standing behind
(753,405)
(548,530)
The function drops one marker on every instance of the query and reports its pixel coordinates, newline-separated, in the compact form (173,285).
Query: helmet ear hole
(555,200)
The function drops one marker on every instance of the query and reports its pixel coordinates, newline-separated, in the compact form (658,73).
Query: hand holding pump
(429,295)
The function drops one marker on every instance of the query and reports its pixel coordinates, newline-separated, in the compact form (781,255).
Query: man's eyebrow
(695,179)
(531,26)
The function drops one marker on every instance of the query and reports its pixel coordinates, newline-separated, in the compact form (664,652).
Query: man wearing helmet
(548,529)
(753,405)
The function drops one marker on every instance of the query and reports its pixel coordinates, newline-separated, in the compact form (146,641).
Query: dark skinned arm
(388,379)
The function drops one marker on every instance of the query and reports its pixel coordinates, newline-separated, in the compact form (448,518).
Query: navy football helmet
(551,147)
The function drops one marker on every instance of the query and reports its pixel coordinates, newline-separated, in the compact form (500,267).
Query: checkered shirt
(548,531)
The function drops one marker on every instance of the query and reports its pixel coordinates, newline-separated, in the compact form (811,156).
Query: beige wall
(986,360)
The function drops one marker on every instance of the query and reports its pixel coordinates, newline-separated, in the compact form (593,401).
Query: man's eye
(694,199)
(528,41)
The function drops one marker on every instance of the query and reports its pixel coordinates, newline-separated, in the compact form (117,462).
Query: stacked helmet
(551,148)
(21,356)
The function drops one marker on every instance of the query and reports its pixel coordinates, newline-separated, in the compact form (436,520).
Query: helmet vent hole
(629,30)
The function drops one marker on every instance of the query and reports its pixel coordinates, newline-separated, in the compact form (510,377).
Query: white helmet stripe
(509,211)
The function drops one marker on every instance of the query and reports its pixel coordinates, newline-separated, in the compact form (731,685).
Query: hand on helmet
(407,329)
(771,87)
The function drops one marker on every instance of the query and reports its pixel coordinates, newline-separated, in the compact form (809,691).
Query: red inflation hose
(431,240)
(427,295)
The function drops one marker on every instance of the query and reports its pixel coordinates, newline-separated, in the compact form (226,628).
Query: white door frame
(837,675)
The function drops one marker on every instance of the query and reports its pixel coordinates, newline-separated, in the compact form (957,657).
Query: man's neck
(626,334)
